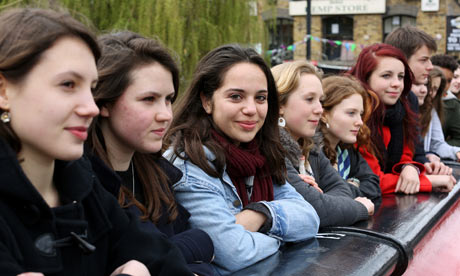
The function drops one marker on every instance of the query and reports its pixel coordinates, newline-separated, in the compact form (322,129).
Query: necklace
(132,172)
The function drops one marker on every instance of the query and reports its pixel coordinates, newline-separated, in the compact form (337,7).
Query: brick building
(340,28)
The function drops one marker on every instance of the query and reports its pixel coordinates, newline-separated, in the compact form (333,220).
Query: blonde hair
(287,76)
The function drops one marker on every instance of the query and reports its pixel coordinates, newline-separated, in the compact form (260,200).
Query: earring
(5,117)
(327,125)
(281,122)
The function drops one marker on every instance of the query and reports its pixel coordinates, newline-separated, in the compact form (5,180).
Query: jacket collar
(73,180)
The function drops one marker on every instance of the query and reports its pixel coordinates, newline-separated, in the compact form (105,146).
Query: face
(344,120)
(303,109)
(420,90)
(435,83)
(455,83)
(420,64)
(239,106)
(52,107)
(448,74)
(141,116)
(387,80)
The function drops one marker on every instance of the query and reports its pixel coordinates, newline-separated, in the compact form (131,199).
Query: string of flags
(350,46)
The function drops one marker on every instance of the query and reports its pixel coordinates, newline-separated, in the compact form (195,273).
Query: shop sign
(430,5)
(453,34)
(336,7)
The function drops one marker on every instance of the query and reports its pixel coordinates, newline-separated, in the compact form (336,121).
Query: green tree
(190,28)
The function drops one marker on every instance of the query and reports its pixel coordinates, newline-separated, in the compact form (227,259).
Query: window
(392,22)
(280,30)
(337,28)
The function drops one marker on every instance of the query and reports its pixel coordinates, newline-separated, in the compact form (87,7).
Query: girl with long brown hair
(138,82)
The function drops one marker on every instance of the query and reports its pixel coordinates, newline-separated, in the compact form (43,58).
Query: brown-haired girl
(138,82)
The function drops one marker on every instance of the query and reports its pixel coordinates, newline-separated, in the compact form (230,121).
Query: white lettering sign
(335,7)
(430,5)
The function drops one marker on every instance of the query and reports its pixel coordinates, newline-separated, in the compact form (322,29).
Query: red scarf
(243,162)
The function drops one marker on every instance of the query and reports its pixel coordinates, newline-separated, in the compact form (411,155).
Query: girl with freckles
(138,82)
(224,138)
(384,72)
(55,218)
(309,171)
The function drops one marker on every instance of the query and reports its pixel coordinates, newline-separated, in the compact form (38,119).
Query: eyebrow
(155,93)
(242,90)
(75,75)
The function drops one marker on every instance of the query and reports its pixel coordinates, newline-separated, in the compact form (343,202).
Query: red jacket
(388,180)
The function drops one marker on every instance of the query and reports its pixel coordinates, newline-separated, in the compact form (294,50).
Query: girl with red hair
(384,72)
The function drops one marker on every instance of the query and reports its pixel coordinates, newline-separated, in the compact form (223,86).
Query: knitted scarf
(245,161)
(394,116)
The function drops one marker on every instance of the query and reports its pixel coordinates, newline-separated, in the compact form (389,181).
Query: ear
(105,112)
(281,110)
(324,117)
(206,103)
(4,103)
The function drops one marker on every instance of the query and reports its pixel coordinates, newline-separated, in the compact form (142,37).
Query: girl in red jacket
(384,72)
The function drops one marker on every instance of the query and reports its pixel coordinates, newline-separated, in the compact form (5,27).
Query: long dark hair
(24,35)
(122,53)
(365,65)
(191,127)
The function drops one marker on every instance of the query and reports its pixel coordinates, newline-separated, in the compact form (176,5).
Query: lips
(315,122)
(247,125)
(80,132)
(160,131)
(355,132)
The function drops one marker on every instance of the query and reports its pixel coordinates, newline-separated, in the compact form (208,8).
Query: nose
(87,106)
(250,107)
(318,108)
(359,122)
(396,82)
(164,112)
(429,65)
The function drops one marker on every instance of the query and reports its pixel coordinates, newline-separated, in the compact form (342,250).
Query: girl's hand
(311,181)
(367,203)
(437,168)
(250,219)
(132,267)
(408,181)
(442,183)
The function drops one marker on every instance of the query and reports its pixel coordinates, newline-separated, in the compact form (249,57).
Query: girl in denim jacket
(225,139)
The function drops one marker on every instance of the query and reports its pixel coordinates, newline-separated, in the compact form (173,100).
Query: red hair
(365,65)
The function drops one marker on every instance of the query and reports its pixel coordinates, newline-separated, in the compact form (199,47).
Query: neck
(119,155)
(39,170)
(334,141)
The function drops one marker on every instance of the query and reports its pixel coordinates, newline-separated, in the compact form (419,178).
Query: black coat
(195,244)
(35,237)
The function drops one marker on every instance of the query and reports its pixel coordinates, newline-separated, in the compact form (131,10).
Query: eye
(148,99)
(400,77)
(68,84)
(386,76)
(310,99)
(169,98)
(261,98)
(235,97)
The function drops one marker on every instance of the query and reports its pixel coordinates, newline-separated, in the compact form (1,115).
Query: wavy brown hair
(191,127)
(287,76)
(336,89)
(24,35)
(122,53)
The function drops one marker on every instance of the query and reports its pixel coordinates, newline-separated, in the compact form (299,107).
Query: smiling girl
(225,141)
(55,218)
(309,171)
(345,105)
(384,72)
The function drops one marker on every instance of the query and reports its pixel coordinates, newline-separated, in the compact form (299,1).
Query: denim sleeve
(294,219)
(234,247)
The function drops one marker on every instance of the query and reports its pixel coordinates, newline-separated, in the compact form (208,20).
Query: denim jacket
(214,202)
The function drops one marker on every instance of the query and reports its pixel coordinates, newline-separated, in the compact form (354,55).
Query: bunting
(349,46)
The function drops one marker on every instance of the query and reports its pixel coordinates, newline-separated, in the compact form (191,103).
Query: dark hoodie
(336,206)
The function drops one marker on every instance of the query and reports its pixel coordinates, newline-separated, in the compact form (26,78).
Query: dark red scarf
(245,161)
